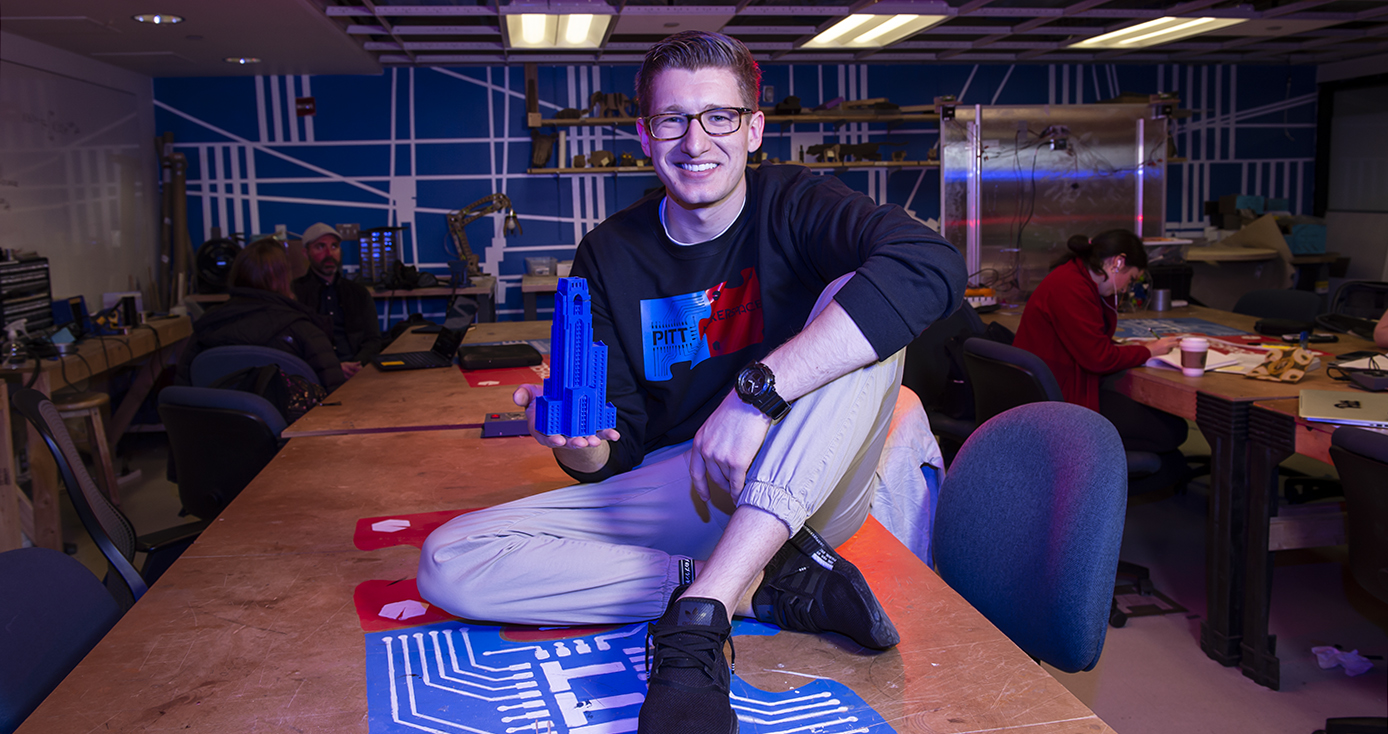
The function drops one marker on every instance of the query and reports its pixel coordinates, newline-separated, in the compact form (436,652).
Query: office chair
(1365,299)
(54,613)
(1028,527)
(1356,308)
(217,362)
(930,371)
(220,440)
(111,530)
(1005,377)
(1280,303)
(1361,457)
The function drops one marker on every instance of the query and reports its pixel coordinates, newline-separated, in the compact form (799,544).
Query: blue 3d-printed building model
(575,399)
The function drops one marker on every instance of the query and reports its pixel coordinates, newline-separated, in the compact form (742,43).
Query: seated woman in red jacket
(262,312)
(1069,323)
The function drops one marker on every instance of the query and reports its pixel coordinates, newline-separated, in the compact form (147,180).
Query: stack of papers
(1368,363)
(1229,357)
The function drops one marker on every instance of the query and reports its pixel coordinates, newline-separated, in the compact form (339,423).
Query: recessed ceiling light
(242,60)
(1156,32)
(543,30)
(872,31)
(158,18)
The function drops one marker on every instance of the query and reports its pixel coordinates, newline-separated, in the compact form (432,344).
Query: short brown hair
(264,264)
(694,50)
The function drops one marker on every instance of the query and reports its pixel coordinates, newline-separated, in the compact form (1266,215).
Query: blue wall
(410,145)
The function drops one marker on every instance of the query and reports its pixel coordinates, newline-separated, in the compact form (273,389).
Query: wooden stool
(88,405)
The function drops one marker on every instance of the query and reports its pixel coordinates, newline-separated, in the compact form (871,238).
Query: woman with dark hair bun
(262,312)
(1069,323)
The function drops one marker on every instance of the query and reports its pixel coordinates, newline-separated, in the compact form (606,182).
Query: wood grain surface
(412,400)
(254,628)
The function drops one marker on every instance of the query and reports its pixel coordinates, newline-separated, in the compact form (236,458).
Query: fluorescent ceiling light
(242,60)
(1157,32)
(872,31)
(536,30)
(158,18)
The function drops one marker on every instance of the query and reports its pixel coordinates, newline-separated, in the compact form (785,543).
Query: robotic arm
(458,221)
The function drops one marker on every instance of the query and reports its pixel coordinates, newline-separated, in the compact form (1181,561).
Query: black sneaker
(810,588)
(686,671)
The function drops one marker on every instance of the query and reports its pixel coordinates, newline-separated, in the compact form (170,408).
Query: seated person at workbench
(1381,331)
(262,312)
(1069,323)
(701,503)
(348,305)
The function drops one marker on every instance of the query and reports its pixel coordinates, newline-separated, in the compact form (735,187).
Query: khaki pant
(609,552)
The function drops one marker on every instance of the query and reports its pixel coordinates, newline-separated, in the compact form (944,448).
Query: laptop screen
(446,345)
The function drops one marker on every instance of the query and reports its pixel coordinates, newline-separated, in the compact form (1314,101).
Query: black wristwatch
(756,385)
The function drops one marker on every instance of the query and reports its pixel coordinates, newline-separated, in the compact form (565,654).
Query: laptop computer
(440,355)
(1349,408)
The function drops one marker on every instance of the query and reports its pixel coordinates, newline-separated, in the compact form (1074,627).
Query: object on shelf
(831,104)
(541,266)
(568,113)
(788,106)
(601,159)
(898,155)
(580,162)
(541,147)
(944,106)
(825,152)
(611,104)
(626,160)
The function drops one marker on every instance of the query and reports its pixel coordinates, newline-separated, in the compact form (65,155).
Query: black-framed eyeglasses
(716,122)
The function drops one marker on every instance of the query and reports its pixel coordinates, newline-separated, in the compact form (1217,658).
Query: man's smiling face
(701,170)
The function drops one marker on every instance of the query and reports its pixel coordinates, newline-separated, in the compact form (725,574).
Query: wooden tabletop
(151,346)
(482,285)
(254,628)
(1173,392)
(432,399)
(96,355)
(1229,254)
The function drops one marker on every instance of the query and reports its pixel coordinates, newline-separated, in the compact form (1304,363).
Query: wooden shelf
(813,164)
(808,118)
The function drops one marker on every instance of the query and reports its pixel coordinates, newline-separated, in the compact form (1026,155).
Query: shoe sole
(883,635)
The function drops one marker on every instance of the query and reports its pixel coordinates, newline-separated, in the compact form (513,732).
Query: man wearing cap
(348,305)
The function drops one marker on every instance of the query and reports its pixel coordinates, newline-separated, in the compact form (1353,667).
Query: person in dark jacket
(356,330)
(262,312)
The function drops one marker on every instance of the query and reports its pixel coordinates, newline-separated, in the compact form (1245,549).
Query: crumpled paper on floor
(1353,662)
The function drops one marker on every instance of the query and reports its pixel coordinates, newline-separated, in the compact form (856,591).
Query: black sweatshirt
(681,321)
(255,317)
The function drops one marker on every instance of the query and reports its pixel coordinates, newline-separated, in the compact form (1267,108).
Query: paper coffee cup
(1193,353)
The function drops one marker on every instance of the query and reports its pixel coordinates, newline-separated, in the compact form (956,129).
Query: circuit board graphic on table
(453,677)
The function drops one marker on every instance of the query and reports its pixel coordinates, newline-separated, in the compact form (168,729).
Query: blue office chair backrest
(220,440)
(109,528)
(54,611)
(1361,458)
(1028,526)
(1279,303)
(217,362)
(1005,376)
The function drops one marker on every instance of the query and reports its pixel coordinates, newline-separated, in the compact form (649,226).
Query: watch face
(752,382)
